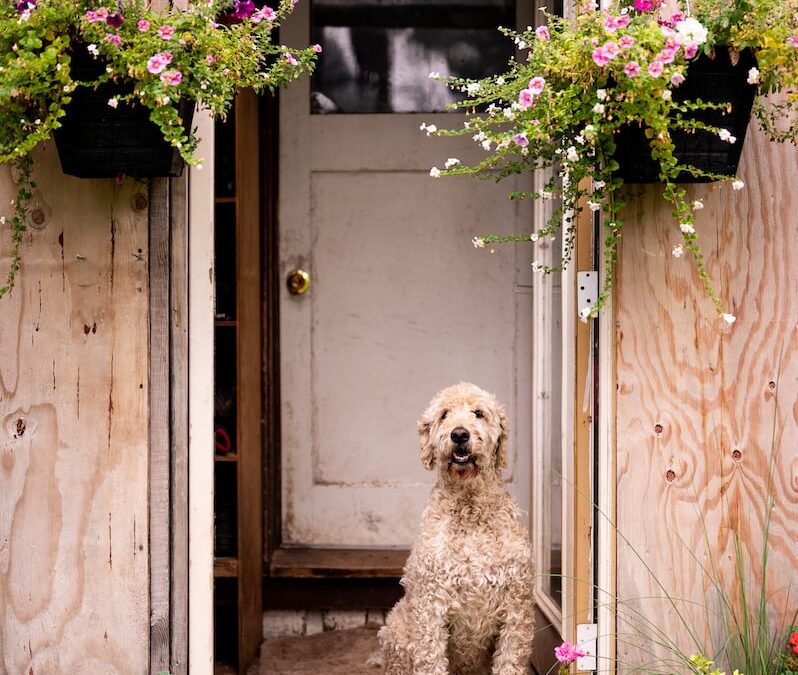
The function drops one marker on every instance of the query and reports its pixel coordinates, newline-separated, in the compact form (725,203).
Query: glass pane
(378,54)
(553,483)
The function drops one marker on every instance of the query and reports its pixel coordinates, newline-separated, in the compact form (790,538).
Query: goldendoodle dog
(467,607)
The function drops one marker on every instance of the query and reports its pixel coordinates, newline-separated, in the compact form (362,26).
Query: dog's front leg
(430,636)
(514,644)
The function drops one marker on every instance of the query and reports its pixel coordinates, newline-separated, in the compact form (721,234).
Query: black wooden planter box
(98,141)
(714,80)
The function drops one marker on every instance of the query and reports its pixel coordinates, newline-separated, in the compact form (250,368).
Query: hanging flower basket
(720,79)
(97,140)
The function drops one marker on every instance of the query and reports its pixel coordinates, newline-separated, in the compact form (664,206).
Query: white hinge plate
(586,290)
(586,638)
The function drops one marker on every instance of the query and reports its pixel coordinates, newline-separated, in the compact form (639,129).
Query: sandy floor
(334,652)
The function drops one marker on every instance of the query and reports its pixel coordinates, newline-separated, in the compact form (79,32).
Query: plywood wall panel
(701,407)
(73,442)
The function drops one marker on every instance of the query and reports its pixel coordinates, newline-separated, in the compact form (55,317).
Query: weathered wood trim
(249,380)
(178,309)
(159,455)
(200,346)
(324,563)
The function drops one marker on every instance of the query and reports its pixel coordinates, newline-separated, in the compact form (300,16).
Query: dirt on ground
(330,653)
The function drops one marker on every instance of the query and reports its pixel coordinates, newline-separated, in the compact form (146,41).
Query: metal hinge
(587,638)
(586,291)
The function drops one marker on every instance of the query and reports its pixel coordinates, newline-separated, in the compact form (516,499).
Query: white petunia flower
(452,161)
(593,206)
(698,205)
(584,314)
(601,94)
(737,184)
(729,318)
(572,155)
(598,108)
(753,76)
(686,228)
(472,88)
(113,102)
(724,134)
(677,251)
(435,172)
(598,184)
(478,242)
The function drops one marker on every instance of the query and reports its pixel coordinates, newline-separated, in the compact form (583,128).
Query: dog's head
(464,432)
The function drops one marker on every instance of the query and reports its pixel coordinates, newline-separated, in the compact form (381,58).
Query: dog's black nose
(460,435)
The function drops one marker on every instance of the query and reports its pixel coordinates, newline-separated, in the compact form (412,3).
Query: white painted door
(400,305)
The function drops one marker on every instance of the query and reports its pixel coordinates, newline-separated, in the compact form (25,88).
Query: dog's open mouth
(462,463)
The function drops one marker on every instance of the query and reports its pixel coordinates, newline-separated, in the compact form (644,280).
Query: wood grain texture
(160,459)
(701,409)
(74,589)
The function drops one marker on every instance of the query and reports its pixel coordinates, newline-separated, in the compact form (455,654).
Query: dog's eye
(443,415)
(479,414)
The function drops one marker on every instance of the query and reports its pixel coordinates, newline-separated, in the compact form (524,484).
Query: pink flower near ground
(542,33)
(166,31)
(611,49)
(626,41)
(655,68)
(113,37)
(623,21)
(172,77)
(632,69)
(210,58)
(568,653)
(143,25)
(793,40)
(610,23)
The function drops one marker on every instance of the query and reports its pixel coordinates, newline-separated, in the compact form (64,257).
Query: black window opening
(378,54)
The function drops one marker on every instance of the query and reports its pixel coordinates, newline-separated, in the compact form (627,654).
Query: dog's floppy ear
(501,443)
(427,451)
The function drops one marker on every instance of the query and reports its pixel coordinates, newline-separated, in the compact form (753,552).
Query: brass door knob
(297,281)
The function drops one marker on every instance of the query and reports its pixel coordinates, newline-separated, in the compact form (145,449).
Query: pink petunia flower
(611,49)
(626,41)
(542,33)
(647,5)
(91,16)
(600,57)
(526,98)
(793,40)
(166,31)
(610,23)
(158,63)
(690,51)
(210,58)
(623,21)
(632,69)
(536,85)
(171,77)
(677,79)
(143,25)
(113,37)
(667,55)
(655,68)
(521,140)
(317,48)
(263,14)
(290,58)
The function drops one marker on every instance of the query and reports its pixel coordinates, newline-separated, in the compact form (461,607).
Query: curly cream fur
(467,608)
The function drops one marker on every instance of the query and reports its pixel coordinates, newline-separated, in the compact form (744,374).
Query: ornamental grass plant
(203,53)
(584,79)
